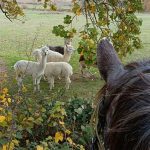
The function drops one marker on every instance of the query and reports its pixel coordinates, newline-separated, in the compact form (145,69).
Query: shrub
(44,123)
(78,111)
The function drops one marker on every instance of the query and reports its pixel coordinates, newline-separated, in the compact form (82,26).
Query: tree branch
(5,13)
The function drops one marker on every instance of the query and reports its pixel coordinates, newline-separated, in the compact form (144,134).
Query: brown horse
(123,109)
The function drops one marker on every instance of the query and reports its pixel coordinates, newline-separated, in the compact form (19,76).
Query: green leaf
(3,141)
(18,135)
(79,110)
(67,19)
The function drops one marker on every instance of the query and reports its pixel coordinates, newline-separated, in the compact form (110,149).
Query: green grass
(16,41)
(61,7)
(144,52)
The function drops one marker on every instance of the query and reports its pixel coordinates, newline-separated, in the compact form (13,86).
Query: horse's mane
(124,110)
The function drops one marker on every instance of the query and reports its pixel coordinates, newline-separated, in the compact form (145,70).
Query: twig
(5,13)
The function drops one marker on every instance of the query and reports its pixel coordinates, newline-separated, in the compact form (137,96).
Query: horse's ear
(109,64)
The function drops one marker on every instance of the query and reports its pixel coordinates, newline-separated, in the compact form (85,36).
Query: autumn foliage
(44,123)
(112,18)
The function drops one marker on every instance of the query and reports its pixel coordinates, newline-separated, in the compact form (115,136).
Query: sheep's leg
(51,83)
(34,84)
(19,82)
(38,83)
(68,81)
(44,77)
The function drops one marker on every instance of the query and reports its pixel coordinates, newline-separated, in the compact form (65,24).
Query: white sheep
(35,69)
(55,56)
(58,69)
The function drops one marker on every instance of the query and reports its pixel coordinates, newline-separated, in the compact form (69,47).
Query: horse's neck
(43,62)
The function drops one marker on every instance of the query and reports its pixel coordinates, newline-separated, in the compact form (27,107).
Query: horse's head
(123,112)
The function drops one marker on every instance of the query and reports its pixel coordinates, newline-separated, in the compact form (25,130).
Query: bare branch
(5,13)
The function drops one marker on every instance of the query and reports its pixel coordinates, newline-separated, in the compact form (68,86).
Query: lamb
(55,56)
(35,69)
(58,69)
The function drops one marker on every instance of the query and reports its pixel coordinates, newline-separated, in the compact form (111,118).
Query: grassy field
(18,39)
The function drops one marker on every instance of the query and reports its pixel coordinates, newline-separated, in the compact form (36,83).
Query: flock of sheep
(51,62)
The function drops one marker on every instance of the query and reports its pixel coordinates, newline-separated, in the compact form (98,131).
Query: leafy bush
(79,113)
(78,110)
(44,123)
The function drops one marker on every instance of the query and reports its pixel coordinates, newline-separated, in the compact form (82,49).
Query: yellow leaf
(10,145)
(1,108)
(9,117)
(69,140)
(78,11)
(4,147)
(68,131)
(81,147)
(58,137)
(27,142)
(5,91)
(16,142)
(4,100)
(53,7)
(92,8)
(61,122)
(39,147)
(63,112)
(24,89)
(2,96)
(9,100)
(31,119)
(2,118)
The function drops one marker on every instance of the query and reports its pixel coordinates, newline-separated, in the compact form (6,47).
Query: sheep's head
(68,41)
(44,50)
(69,48)
(36,52)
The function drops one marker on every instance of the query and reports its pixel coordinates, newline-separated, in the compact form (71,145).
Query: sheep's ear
(109,64)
